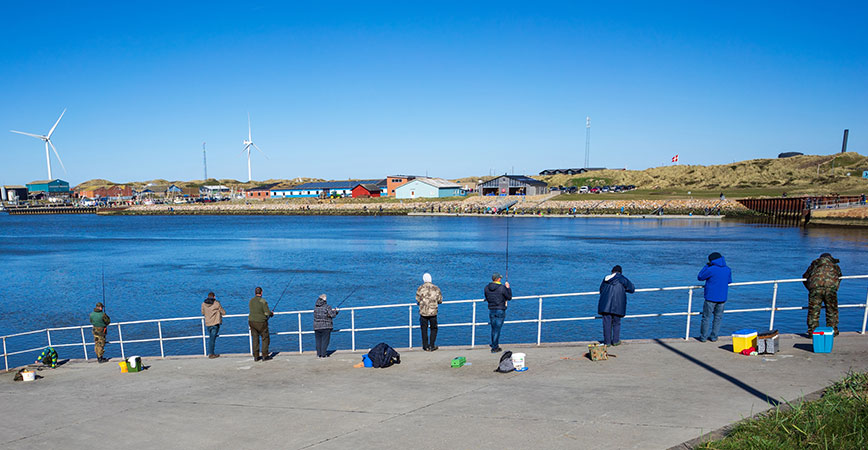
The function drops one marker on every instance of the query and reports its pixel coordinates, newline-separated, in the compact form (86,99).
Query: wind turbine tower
(204,161)
(587,141)
(47,140)
(247,144)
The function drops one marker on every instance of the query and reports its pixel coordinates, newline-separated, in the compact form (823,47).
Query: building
(260,192)
(214,191)
(13,193)
(321,189)
(393,181)
(573,171)
(513,185)
(428,188)
(366,191)
(118,191)
(49,186)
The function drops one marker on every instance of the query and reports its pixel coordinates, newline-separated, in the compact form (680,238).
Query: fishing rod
(103,288)
(348,296)
(284,292)
(507,245)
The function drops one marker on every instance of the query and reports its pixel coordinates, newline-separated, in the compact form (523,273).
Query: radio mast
(204,161)
(587,141)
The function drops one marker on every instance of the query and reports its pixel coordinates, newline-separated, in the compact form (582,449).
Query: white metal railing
(773,308)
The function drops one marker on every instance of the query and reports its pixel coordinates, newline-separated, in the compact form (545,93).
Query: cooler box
(458,361)
(134,363)
(823,339)
(125,367)
(743,339)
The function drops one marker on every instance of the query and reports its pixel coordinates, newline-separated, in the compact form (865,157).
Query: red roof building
(366,191)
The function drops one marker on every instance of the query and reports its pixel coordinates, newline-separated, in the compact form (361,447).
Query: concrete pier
(654,394)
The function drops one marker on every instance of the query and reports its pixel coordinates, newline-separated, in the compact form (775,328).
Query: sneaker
(256,359)
(700,339)
(434,348)
(213,356)
(426,349)
(615,344)
(267,358)
(714,339)
(496,350)
(101,360)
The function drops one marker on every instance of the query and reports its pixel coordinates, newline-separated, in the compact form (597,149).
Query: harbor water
(164,266)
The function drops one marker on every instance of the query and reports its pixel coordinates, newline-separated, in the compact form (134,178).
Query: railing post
(473,328)
(539,323)
(204,345)
(48,333)
(5,357)
(353,328)
(410,326)
(160,334)
(121,340)
(864,319)
(83,343)
(689,311)
(300,348)
(249,339)
(774,305)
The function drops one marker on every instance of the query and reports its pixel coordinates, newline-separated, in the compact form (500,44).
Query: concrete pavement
(653,394)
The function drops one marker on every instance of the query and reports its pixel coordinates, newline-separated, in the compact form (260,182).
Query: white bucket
(518,360)
(28,375)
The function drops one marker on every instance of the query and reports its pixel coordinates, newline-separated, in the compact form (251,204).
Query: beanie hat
(617,268)
(714,256)
(426,277)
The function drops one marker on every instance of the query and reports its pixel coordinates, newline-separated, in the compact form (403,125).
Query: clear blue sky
(452,89)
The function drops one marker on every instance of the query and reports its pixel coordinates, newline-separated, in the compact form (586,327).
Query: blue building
(49,186)
(318,189)
(428,188)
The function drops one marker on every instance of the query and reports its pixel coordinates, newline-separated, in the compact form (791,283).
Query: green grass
(591,181)
(838,420)
(659,194)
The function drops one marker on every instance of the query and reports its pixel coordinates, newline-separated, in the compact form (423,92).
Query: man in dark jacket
(822,280)
(717,277)
(100,321)
(258,321)
(613,304)
(323,325)
(496,294)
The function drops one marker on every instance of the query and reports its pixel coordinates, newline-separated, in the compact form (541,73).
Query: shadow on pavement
(749,389)
(805,347)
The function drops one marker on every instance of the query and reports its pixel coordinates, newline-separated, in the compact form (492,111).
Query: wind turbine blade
(246,149)
(249,133)
(28,134)
(260,150)
(55,123)
(56,154)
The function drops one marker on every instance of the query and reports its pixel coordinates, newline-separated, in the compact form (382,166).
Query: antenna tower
(587,141)
(204,161)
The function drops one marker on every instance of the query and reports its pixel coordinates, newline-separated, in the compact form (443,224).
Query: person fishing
(100,321)
(428,296)
(213,313)
(613,304)
(257,319)
(717,276)
(322,325)
(822,280)
(497,295)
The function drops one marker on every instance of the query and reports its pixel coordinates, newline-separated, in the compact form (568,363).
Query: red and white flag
(675,158)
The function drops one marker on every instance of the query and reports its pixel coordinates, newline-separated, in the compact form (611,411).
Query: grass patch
(838,420)
(591,181)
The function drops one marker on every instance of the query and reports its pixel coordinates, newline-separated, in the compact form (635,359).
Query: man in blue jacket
(496,294)
(717,277)
(613,304)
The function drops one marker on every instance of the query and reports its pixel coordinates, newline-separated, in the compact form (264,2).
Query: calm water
(164,266)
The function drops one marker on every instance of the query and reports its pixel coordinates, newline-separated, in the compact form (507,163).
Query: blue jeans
(495,319)
(611,329)
(708,309)
(213,331)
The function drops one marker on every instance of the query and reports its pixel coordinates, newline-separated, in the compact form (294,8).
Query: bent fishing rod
(348,296)
(507,245)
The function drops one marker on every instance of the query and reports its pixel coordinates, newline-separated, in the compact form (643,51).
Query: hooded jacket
(497,295)
(824,273)
(717,277)
(613,294)
(213,312)
(323,314)
(428,296)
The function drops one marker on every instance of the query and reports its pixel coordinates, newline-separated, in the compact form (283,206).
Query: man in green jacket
(100,321)
(258,321)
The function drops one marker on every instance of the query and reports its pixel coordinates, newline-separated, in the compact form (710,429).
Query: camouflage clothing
(822,280)
(816,299)
(428,296)
(99,341)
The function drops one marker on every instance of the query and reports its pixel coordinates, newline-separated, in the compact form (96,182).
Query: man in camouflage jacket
(822,279)
(428,296)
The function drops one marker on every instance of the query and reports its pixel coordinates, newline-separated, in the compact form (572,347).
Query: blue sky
(452,89)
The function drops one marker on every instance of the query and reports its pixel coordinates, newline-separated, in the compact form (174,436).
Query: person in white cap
(428,296)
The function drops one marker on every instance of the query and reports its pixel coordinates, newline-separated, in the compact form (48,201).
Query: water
(158,267)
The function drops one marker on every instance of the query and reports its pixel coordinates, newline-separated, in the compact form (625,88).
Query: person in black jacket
(496,294)
(613,304)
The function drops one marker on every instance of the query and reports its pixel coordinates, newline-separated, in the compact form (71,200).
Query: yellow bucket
(125,368)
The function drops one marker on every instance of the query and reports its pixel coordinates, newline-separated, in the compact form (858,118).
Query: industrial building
(13,193)
(513,185)
(393,181)
(319,189)
(366,191)
(50,186)
(260,192)
(428,188)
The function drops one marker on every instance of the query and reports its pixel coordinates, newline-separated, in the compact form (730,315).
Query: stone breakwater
(470,205)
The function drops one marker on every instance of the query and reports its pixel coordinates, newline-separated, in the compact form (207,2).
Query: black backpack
(505,365)
(382,355)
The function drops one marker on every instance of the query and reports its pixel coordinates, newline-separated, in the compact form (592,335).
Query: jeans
(424,321)
(708,309)
(213,331)
(611,328)
(322,342)
(495,319)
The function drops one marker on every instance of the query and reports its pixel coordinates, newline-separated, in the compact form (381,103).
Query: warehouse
(513,185)
(428,188)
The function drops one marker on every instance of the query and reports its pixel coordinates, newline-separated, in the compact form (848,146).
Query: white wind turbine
(47,140)
(247,144)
